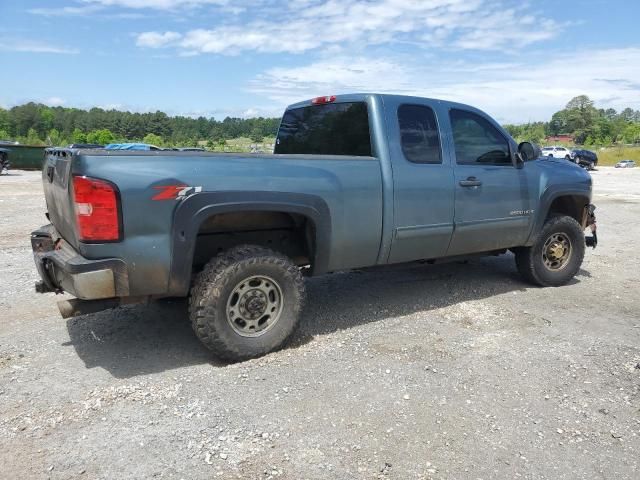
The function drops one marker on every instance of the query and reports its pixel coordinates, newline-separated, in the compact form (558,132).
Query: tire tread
(207,289)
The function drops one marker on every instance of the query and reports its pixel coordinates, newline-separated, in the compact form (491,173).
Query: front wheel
(556,255)
(246,302)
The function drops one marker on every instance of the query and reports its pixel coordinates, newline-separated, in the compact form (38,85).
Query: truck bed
(350,187)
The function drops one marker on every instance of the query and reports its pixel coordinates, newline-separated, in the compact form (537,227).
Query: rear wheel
(246,302)
(556,255)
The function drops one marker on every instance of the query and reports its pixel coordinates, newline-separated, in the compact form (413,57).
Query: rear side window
(331,129)
(477,141)
(419,134)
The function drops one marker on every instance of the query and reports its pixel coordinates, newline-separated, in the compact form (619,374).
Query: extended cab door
(492,204)
(422,181)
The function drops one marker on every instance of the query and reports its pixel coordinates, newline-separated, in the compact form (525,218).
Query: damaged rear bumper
(62,268)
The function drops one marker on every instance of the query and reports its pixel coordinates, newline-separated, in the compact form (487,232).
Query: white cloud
(156,4)
(528,90)
(55,101)
(316,24)
(34,46)
(65,11)
(156,40)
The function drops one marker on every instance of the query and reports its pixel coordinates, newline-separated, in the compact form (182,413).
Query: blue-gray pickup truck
(355,181)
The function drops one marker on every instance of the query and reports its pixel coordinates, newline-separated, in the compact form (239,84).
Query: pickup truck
(355,181)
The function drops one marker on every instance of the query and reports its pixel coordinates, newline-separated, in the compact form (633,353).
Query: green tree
(32,137)
(256,135)
(78,136)
(631,134)
(5,122)
(54,139)
(101,137)
(153,139)
(46,120)
(581,102)
(627,114)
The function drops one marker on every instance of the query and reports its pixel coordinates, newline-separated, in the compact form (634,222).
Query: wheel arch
(194,211)
(563,200)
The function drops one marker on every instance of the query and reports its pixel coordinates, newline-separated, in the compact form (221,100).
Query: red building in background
(562,138)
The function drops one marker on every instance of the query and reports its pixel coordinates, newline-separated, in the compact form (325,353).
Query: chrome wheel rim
(556,252)
(254,306)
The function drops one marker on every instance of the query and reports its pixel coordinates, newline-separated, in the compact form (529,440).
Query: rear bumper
(62,268)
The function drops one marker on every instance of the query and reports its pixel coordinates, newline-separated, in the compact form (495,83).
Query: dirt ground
(457,371)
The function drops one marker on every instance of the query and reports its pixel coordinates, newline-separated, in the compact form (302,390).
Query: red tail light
(323,100)
(97,210)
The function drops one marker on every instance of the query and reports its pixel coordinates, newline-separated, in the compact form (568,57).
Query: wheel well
(570,205)
(291,234)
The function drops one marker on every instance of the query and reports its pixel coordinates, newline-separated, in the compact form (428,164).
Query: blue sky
(519,61)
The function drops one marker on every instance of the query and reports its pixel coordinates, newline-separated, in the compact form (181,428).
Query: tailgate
(56,176)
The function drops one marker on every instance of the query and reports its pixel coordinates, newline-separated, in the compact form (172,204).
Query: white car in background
(557,152)
(625,164)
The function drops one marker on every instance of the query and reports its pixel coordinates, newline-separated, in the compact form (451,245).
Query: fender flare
(196,208)
(547,198)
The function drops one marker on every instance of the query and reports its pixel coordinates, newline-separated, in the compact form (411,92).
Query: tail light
(97,210)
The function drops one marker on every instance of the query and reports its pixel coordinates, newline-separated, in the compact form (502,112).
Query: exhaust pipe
(76,307)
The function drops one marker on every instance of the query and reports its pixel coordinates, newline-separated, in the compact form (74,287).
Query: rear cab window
(419,136)
(328,129)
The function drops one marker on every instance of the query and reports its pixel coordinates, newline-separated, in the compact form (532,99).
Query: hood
(562,161)
(559,170)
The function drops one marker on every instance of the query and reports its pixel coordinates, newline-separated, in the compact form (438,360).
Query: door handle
(470,182)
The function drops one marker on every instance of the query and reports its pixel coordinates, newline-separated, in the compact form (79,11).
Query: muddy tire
(556,254)
(246,302)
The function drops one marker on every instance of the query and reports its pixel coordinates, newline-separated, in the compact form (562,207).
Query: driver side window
(477,141)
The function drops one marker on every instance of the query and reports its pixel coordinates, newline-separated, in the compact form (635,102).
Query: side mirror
(527,151)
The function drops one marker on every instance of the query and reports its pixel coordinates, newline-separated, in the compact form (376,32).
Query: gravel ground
(448,371)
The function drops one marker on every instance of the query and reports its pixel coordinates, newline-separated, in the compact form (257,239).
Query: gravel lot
(449,371)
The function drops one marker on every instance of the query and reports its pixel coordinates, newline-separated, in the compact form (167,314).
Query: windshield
(331,129)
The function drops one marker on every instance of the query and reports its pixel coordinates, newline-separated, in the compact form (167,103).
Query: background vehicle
(356,181)
(557,152)
(585,158)
(626,164)
(4,161)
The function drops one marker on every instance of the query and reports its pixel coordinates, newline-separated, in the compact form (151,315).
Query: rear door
(422,181)
(492,206)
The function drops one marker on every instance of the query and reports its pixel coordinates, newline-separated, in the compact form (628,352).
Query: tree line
(38,124)
(588,125)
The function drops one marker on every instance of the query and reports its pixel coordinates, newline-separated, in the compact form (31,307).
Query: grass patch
(609,156)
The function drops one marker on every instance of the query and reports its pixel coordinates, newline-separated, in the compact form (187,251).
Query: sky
(519,61)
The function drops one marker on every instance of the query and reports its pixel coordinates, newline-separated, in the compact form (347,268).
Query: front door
(422,179)
(492,208)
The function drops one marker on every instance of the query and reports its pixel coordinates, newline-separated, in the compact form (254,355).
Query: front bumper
(62,268)
(590,222)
